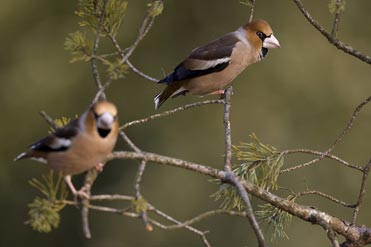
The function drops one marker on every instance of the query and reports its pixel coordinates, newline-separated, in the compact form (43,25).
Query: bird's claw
(99,167)
(81,194)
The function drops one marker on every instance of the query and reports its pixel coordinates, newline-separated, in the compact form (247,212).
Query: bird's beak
(105,120)
(271,42)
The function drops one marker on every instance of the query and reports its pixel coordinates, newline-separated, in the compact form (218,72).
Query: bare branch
(331,198)
(206,215)
(362,192)
(227,130)
(89,180)
(170,112)
(100,92)
(314,152)
(231,178)
(314,216)
(334,41)
(93,60)
(49,120)
(138,178)
(111,198)
(252,10)
(140,72)
(338,139)
(335,25)
(129,142)
(171,219)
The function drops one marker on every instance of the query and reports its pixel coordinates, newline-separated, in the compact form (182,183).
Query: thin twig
(314,216)
(332,236)
(319,193)
(171,219)
(362,192)
(129,142)
(231,178)
(100,92)
(318,153)
(138,194)
(335,25)
(206,215)
(334,41)
(131,66)
(49,120)
(114,197)
(89,180)
(143,30)
(138,178)
(227,130)
(338,139)
(170,112)
(93,60)
(252,3)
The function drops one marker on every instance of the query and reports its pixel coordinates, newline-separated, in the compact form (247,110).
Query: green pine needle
(261,164)
(91,11)
(44,212)
(247,3)
(155,8)
(80,46)
(275,217)
(117,69)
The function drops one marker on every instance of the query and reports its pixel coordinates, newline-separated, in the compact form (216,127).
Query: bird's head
(105,114)
(260,35)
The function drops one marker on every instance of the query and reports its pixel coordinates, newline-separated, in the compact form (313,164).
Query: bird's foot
(218,92)
(81,194)
(99,167)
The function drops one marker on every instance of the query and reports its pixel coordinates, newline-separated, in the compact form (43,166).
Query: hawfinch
(81,145)
(210,68)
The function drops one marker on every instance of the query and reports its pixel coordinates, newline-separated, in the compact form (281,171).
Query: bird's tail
(161,97)
(20,156)
(171,90)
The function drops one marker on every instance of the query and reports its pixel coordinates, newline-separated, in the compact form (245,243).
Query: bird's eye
(261,35)
(96,115)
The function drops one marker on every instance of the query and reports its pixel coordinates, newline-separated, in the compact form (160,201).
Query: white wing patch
(207,64)
(39,159)
(59,143)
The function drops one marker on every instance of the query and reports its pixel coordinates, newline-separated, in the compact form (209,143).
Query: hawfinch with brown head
(210,68)
(81,145)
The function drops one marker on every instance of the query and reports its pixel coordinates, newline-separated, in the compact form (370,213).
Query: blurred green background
(300,96)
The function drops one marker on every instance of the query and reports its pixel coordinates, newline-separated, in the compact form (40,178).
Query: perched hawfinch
(210,68)
(81,145)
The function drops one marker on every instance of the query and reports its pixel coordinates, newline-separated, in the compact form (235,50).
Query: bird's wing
(60,140)
(212,57)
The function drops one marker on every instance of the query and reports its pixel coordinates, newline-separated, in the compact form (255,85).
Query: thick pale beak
(271,42)
(105,121)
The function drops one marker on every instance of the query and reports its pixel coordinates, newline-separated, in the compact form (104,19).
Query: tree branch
(331,198)
(227,130)
(318,153)
(170,112)
(93,60)
(231,178)
(362,192)
(338,139)
(334,41)
(335,25)
(314,216)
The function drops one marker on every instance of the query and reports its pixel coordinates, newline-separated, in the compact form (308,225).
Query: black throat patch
(264,52)
(103,132)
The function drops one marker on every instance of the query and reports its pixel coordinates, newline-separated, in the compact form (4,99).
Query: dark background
(300,96)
